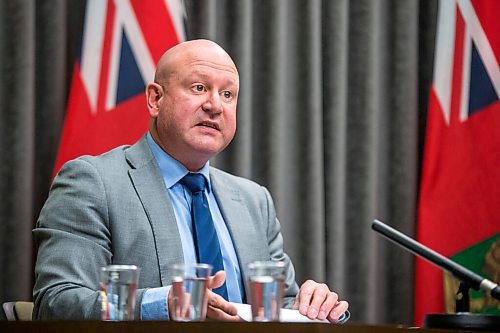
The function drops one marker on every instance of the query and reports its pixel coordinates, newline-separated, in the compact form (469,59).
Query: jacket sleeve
(74,240)
(275,241)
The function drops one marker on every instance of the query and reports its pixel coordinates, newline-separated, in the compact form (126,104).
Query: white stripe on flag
(443,61)
(92,44)
(466,67)
(177,13)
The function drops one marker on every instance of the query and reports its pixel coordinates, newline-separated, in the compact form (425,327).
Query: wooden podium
(199,327)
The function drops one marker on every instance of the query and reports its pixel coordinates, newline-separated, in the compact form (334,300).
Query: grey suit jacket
(115,209)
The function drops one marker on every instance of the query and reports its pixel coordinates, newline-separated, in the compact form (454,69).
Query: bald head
(191,52)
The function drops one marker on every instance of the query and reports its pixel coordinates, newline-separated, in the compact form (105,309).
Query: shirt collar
(171,169)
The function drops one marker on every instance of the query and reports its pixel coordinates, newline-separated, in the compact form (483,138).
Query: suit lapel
(247,242)
(148,182)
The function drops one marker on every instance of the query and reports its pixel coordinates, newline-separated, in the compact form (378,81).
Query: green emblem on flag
(483,259)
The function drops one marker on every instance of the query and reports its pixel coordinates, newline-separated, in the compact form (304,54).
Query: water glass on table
(266,282)
(189,288)
(118,288)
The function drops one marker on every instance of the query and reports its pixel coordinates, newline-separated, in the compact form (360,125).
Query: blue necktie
(204,233)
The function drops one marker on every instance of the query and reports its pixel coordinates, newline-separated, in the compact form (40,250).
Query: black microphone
(461,273)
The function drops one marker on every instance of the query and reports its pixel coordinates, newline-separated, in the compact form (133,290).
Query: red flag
(122,42)
(459,208)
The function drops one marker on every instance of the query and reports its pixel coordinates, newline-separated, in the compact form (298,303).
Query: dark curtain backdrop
(331,118)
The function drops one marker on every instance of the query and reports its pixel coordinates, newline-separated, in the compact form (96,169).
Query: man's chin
(208,148)
(200,154)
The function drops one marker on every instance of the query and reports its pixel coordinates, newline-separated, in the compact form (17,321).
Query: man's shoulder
(125,155)
(232,180)
(113,159)
(113,155)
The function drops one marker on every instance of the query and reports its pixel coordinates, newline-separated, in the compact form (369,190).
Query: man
(131,206)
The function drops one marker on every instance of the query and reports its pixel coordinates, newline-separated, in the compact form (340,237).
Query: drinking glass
(266,282)
(189,288)
(118,287)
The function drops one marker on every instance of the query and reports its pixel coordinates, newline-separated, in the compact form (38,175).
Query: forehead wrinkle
(205,63)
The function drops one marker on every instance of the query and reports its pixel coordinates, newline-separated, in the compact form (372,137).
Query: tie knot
(195,182)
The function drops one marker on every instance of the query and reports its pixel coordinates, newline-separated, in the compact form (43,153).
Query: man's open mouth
(211,125)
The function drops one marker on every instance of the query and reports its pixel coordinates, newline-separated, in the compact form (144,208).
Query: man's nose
(213,103)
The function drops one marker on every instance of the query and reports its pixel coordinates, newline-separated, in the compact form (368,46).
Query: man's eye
(227,94)
(199,87)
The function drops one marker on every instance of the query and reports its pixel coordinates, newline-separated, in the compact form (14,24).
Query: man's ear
(154,93)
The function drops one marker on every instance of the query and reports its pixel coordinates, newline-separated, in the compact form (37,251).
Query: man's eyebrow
(201,74)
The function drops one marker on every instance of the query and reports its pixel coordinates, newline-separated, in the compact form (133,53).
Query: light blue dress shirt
(154,304)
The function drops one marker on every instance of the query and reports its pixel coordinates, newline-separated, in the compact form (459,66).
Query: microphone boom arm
(466,276)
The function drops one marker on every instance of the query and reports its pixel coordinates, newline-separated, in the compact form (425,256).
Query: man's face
(197,112)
